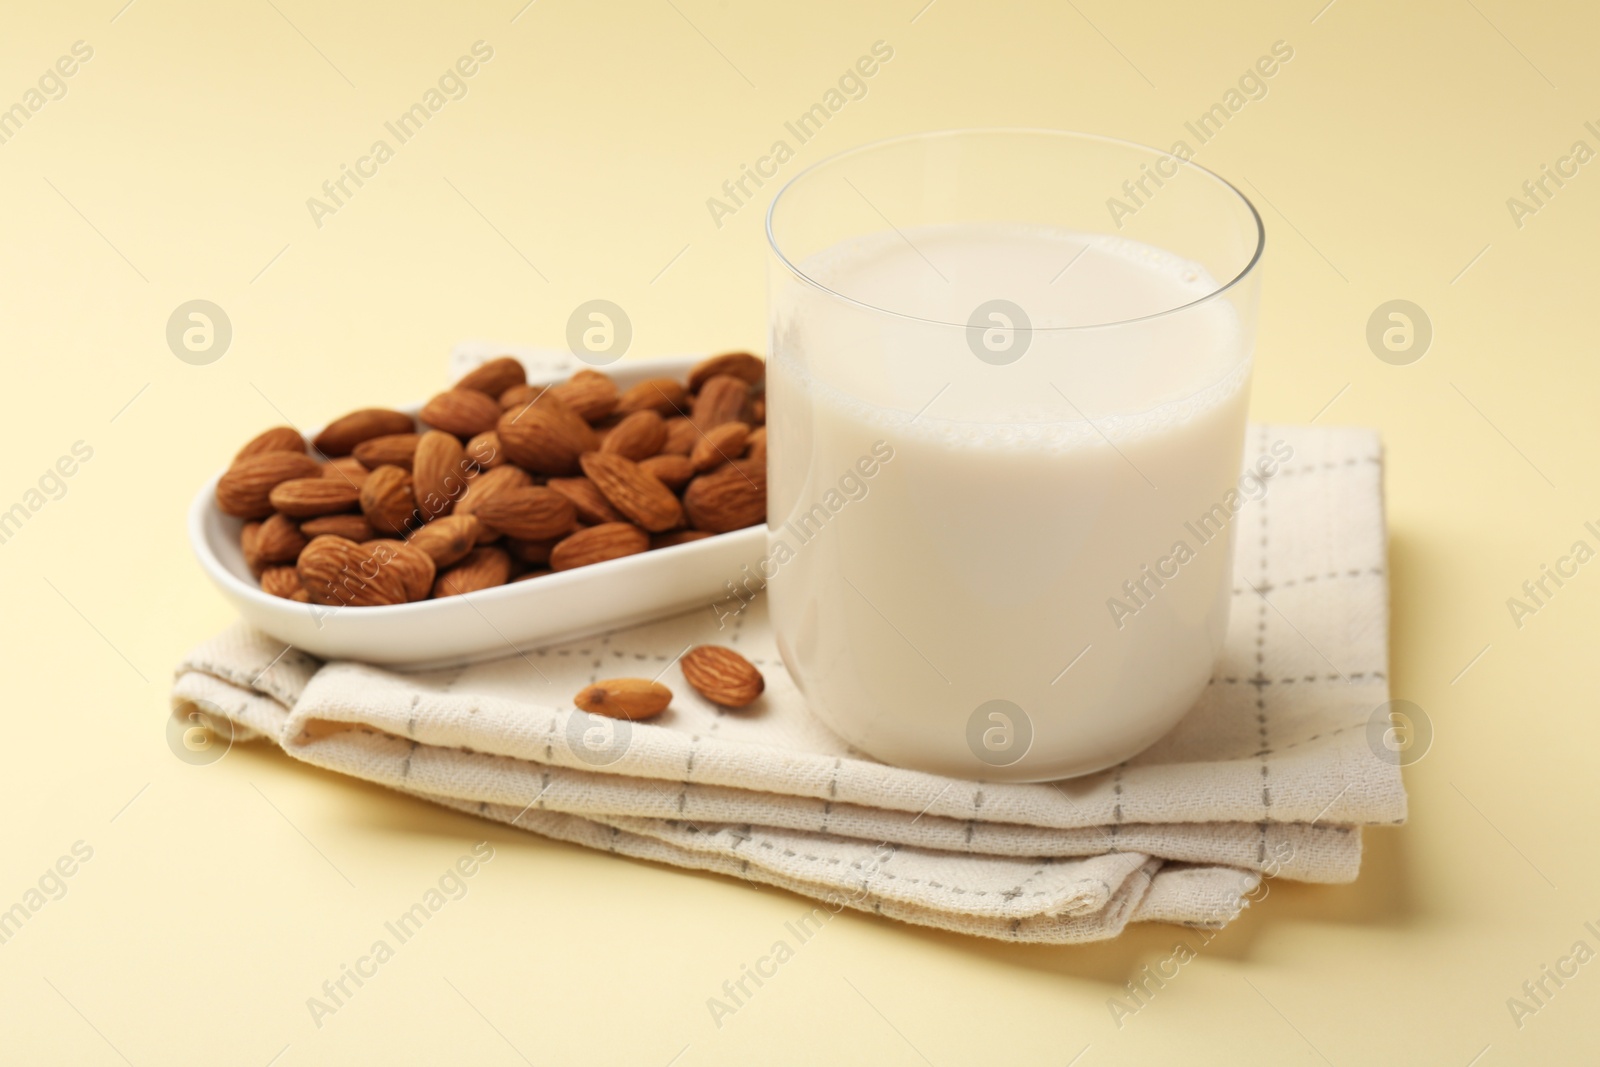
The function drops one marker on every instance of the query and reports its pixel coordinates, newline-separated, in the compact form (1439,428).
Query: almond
(546,437)
(447,540)
(245,489)
(535,552)
(624,698)
(279,540)
(277,439)
(484,487)
(592,506)
(596,544)
(388,503)
(281,581)
(662,395)
(340,437)
(483,568)
(673,470)
(494,376)
(742,365)
(729,498)
(350,527)
(303,498)
(758,411)
(589,393)
(346,468)
(439,473)
(635,492)
(520,396)
(485,451)
(393,449)
(755,446)
(463,412)
(638,436)
(414,567)
(718,446)
(533,513)
(338,572)
(720,400)
(681,437)
(677,537)
(249,538)
(721,675)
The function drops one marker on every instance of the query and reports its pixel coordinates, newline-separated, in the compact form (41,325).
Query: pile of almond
(500,481)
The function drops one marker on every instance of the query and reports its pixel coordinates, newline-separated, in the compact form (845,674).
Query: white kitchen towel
(1273,772)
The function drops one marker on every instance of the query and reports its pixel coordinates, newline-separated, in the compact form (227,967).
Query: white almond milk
(948,532)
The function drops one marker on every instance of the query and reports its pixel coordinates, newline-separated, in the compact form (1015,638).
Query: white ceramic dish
(491,622)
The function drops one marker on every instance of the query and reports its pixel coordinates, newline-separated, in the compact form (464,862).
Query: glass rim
(928,135)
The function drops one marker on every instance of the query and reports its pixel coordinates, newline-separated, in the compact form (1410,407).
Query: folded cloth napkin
(1272,773)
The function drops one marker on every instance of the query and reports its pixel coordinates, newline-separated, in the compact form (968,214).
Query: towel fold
(1273,773)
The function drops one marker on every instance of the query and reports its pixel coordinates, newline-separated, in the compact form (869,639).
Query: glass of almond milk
(1006,411)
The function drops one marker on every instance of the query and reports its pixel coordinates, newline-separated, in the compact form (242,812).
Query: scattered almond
(721,675)
(624,698)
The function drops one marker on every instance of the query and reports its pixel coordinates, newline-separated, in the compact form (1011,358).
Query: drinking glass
(1006,405)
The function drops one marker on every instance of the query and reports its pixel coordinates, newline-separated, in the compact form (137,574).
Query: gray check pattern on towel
(1271,773)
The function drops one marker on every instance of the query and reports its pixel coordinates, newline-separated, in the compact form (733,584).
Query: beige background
(219,898)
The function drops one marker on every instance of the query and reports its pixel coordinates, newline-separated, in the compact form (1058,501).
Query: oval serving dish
(489,623)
